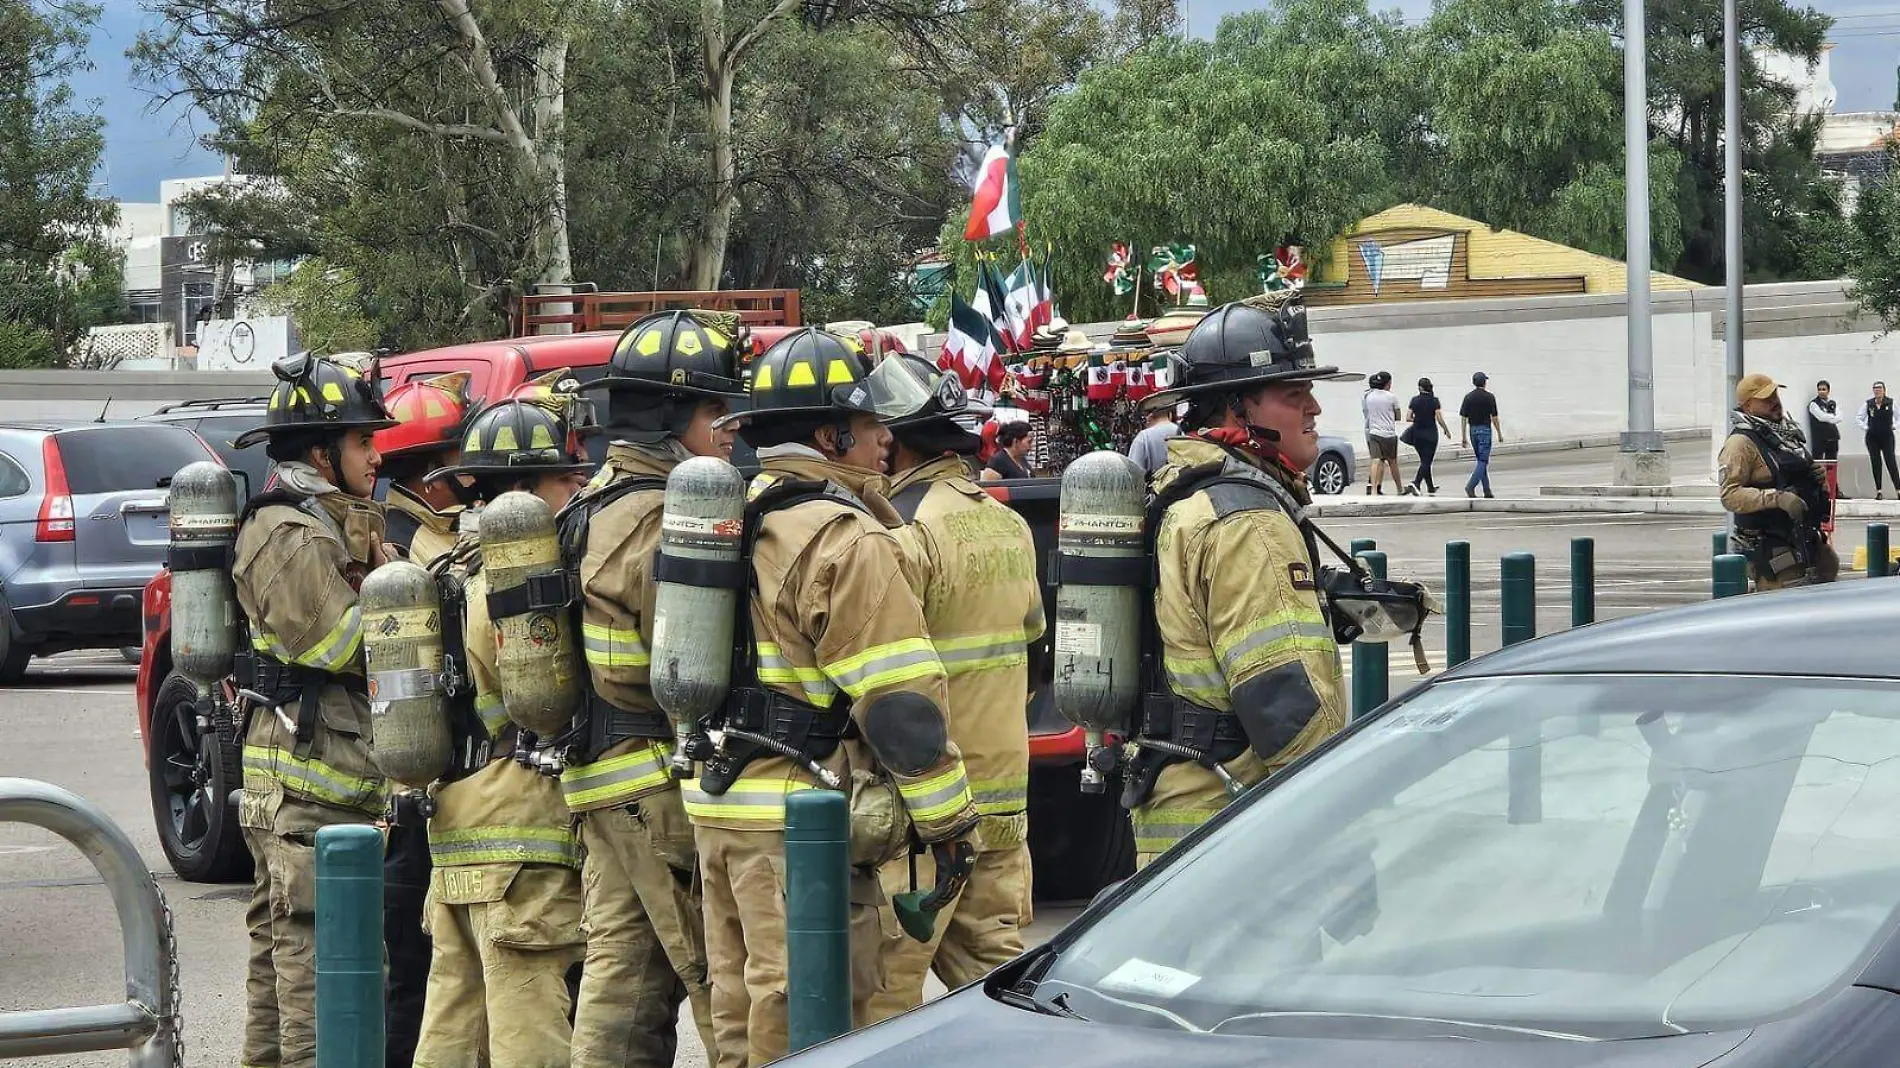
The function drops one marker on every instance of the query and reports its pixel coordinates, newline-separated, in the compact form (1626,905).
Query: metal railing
(146,1022)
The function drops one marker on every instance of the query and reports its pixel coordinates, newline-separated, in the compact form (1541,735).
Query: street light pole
(1732,179)
(1640,460)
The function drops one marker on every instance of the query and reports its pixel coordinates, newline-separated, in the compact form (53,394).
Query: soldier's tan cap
(1757,386)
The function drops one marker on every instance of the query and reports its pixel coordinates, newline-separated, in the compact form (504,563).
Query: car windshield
(1529,858)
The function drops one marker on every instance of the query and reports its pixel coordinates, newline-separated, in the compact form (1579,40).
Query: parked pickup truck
(1079,843)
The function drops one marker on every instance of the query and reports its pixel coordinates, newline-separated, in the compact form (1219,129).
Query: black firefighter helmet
(1240,346)
(320,394)
(945,419)
(680,352)
(518,437)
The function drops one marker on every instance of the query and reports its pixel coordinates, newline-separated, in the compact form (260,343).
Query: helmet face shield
(893,390)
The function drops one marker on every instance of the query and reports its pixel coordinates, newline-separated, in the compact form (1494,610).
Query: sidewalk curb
(1361,458)
(1350,507)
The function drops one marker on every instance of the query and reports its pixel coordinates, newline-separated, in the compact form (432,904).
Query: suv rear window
(109,459)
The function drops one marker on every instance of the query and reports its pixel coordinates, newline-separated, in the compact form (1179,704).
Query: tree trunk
(550,145)
(707,262)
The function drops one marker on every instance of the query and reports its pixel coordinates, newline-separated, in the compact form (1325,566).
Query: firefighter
(504,907)
(1247,650)
(431,414)
(303,547)
(421,514)
(673,374)
(838,667)
(976,564)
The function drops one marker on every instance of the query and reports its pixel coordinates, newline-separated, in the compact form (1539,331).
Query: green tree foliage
(1874,240)
(1181,143)
(59,275)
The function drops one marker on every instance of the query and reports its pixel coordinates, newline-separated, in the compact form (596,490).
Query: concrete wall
(1558,364)
(62,395)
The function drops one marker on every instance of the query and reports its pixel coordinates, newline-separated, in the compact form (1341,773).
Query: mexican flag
(969,350)
(991,301)
(1020,297)
(995,209)
(1043,312)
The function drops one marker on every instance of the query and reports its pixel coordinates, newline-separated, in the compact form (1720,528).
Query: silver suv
(83,528)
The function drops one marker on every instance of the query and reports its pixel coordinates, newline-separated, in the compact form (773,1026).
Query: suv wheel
(1078,843)
(192,778)
(13,656)
(1329,474)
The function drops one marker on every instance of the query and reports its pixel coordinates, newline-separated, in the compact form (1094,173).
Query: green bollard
(1362,545)
(1730,575)
(1524,768)
(1878,562)
(1457,602)
(1519,591)
(349,947)
(1718,544)
(817,917)
(1371,672)
(1583,582)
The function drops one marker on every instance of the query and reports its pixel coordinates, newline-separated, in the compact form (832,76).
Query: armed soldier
(504,899)
(977,566)
(1249,655)
(838,668)
(673,374)
(303,547)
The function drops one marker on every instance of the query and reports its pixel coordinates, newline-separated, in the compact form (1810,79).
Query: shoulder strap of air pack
(400,528)
(777,497)
(571,525)
(909,499)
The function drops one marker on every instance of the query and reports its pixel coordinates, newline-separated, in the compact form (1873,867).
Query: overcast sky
(142,148)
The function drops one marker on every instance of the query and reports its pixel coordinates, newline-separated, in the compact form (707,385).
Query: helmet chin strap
(846,440)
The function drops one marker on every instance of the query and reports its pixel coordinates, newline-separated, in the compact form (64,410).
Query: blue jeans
(1481,447)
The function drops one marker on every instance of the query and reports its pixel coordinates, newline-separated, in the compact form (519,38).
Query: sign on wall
(243,344)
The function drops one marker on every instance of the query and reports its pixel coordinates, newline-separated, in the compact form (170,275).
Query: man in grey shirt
(1149,450)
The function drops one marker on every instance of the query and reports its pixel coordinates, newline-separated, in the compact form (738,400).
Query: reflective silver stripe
(1198,681)
(1288,630)
(1007,653)
(855,680)
(493,712)
(775,668)
(402,684)
(503,848)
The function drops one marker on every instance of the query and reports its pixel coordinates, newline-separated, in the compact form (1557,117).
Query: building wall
(1478,260)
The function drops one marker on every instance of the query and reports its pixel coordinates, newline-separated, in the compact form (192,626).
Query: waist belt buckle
(1194,726)
(1158,712)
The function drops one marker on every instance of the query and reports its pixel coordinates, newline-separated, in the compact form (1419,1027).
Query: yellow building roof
(1423,253)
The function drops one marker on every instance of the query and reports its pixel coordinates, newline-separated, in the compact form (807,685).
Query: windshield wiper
(1530,1032)
(1055,1006)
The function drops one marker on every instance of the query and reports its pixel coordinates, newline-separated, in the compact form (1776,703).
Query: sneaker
(1469,493)
(1409,491)
(1489,496)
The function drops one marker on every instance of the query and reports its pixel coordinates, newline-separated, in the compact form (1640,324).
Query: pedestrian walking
(1149,450)
(1381,408)
(1876,420)
(1775,491)
(1424,418)
(1013,441)
(1479,428)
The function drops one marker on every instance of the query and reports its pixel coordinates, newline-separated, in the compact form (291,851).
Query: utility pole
(1732,179)
(1640,460)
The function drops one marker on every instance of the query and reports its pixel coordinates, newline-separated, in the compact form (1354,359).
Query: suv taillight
(56,510)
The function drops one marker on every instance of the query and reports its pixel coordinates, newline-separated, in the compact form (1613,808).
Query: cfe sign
(243,344)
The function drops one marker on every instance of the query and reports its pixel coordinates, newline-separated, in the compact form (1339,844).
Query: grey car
(1332,472)
(219,422)
(83,528)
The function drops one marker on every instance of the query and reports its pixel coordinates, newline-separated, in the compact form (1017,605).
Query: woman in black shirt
(1425,418)
(1012,446)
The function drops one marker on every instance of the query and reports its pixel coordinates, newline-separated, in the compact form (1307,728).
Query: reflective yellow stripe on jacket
(332,652)
(1197,679)
(308,778)
(963,654)
(504,845)
(616,779)
(774,668)
(1158,829)
(1277,638)
(1001,796)
(936,798)
(606,646)
(884,665)
(752,801)
(493,712)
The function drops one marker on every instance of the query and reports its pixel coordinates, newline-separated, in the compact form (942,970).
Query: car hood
(969,1028)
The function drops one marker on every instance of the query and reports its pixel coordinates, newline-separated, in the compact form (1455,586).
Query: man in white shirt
(1381,408)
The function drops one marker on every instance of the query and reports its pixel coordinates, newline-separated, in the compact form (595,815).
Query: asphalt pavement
(72,722)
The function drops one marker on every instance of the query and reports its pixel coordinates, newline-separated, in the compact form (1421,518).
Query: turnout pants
(505,936)
(646,939)
(744,873)
(280,985)
(977,932)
